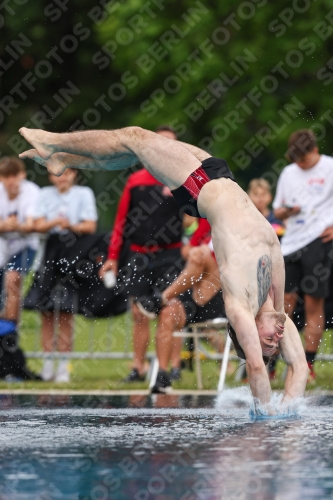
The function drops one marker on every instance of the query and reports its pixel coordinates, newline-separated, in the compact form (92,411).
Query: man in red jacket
(149,225)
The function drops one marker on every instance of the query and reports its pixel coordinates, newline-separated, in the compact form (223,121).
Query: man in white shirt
(17,204)
(304,196)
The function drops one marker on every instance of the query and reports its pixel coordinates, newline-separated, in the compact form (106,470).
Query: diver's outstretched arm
(293,354)
(245,327)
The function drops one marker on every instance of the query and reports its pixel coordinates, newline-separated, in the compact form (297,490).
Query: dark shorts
(146,273)
(22,261)
(196,314)
(186,195)
(308,270)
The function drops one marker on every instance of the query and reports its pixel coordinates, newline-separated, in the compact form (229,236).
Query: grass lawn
(115,334)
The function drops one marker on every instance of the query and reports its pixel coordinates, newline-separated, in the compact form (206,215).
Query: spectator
(259,192)
(17,202)
(304,195)
(62,207)
(148,218)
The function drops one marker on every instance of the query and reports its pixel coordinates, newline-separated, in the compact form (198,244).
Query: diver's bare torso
(244,244)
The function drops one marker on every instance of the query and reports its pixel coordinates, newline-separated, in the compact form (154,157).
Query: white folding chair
(198,331)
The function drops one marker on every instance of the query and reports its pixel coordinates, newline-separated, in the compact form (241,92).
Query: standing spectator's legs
(18,264)
(64,344)
(47,331)
(141,333)
(13,362)
(175,354)
(314,324)
(13,292)
(308,270)
(171,318)
(65,336)
(65,341)
(314,315)
(135,278)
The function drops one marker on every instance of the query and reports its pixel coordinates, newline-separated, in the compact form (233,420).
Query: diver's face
(270,327)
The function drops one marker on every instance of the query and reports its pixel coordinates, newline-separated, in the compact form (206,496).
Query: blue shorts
(22,261)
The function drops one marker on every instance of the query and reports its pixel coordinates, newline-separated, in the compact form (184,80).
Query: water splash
(275,410)
(234,398)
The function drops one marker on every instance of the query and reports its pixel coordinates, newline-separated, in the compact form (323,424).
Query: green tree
(234,78)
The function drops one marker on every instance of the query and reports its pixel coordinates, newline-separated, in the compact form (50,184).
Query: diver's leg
(169,161)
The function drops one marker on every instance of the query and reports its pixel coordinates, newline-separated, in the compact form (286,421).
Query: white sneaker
(63,375)
(47,372)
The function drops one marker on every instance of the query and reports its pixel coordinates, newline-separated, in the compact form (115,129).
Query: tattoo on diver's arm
(264,278)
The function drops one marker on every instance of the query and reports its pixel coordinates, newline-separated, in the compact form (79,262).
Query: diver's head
(270,326)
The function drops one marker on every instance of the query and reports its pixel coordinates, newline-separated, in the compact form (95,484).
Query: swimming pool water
(161,448)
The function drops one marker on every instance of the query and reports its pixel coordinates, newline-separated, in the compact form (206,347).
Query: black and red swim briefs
(186,195)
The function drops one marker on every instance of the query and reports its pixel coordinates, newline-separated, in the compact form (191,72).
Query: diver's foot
(55,164)
(40,140)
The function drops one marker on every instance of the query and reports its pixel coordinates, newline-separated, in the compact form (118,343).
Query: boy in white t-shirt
(17,205)
(304,196)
